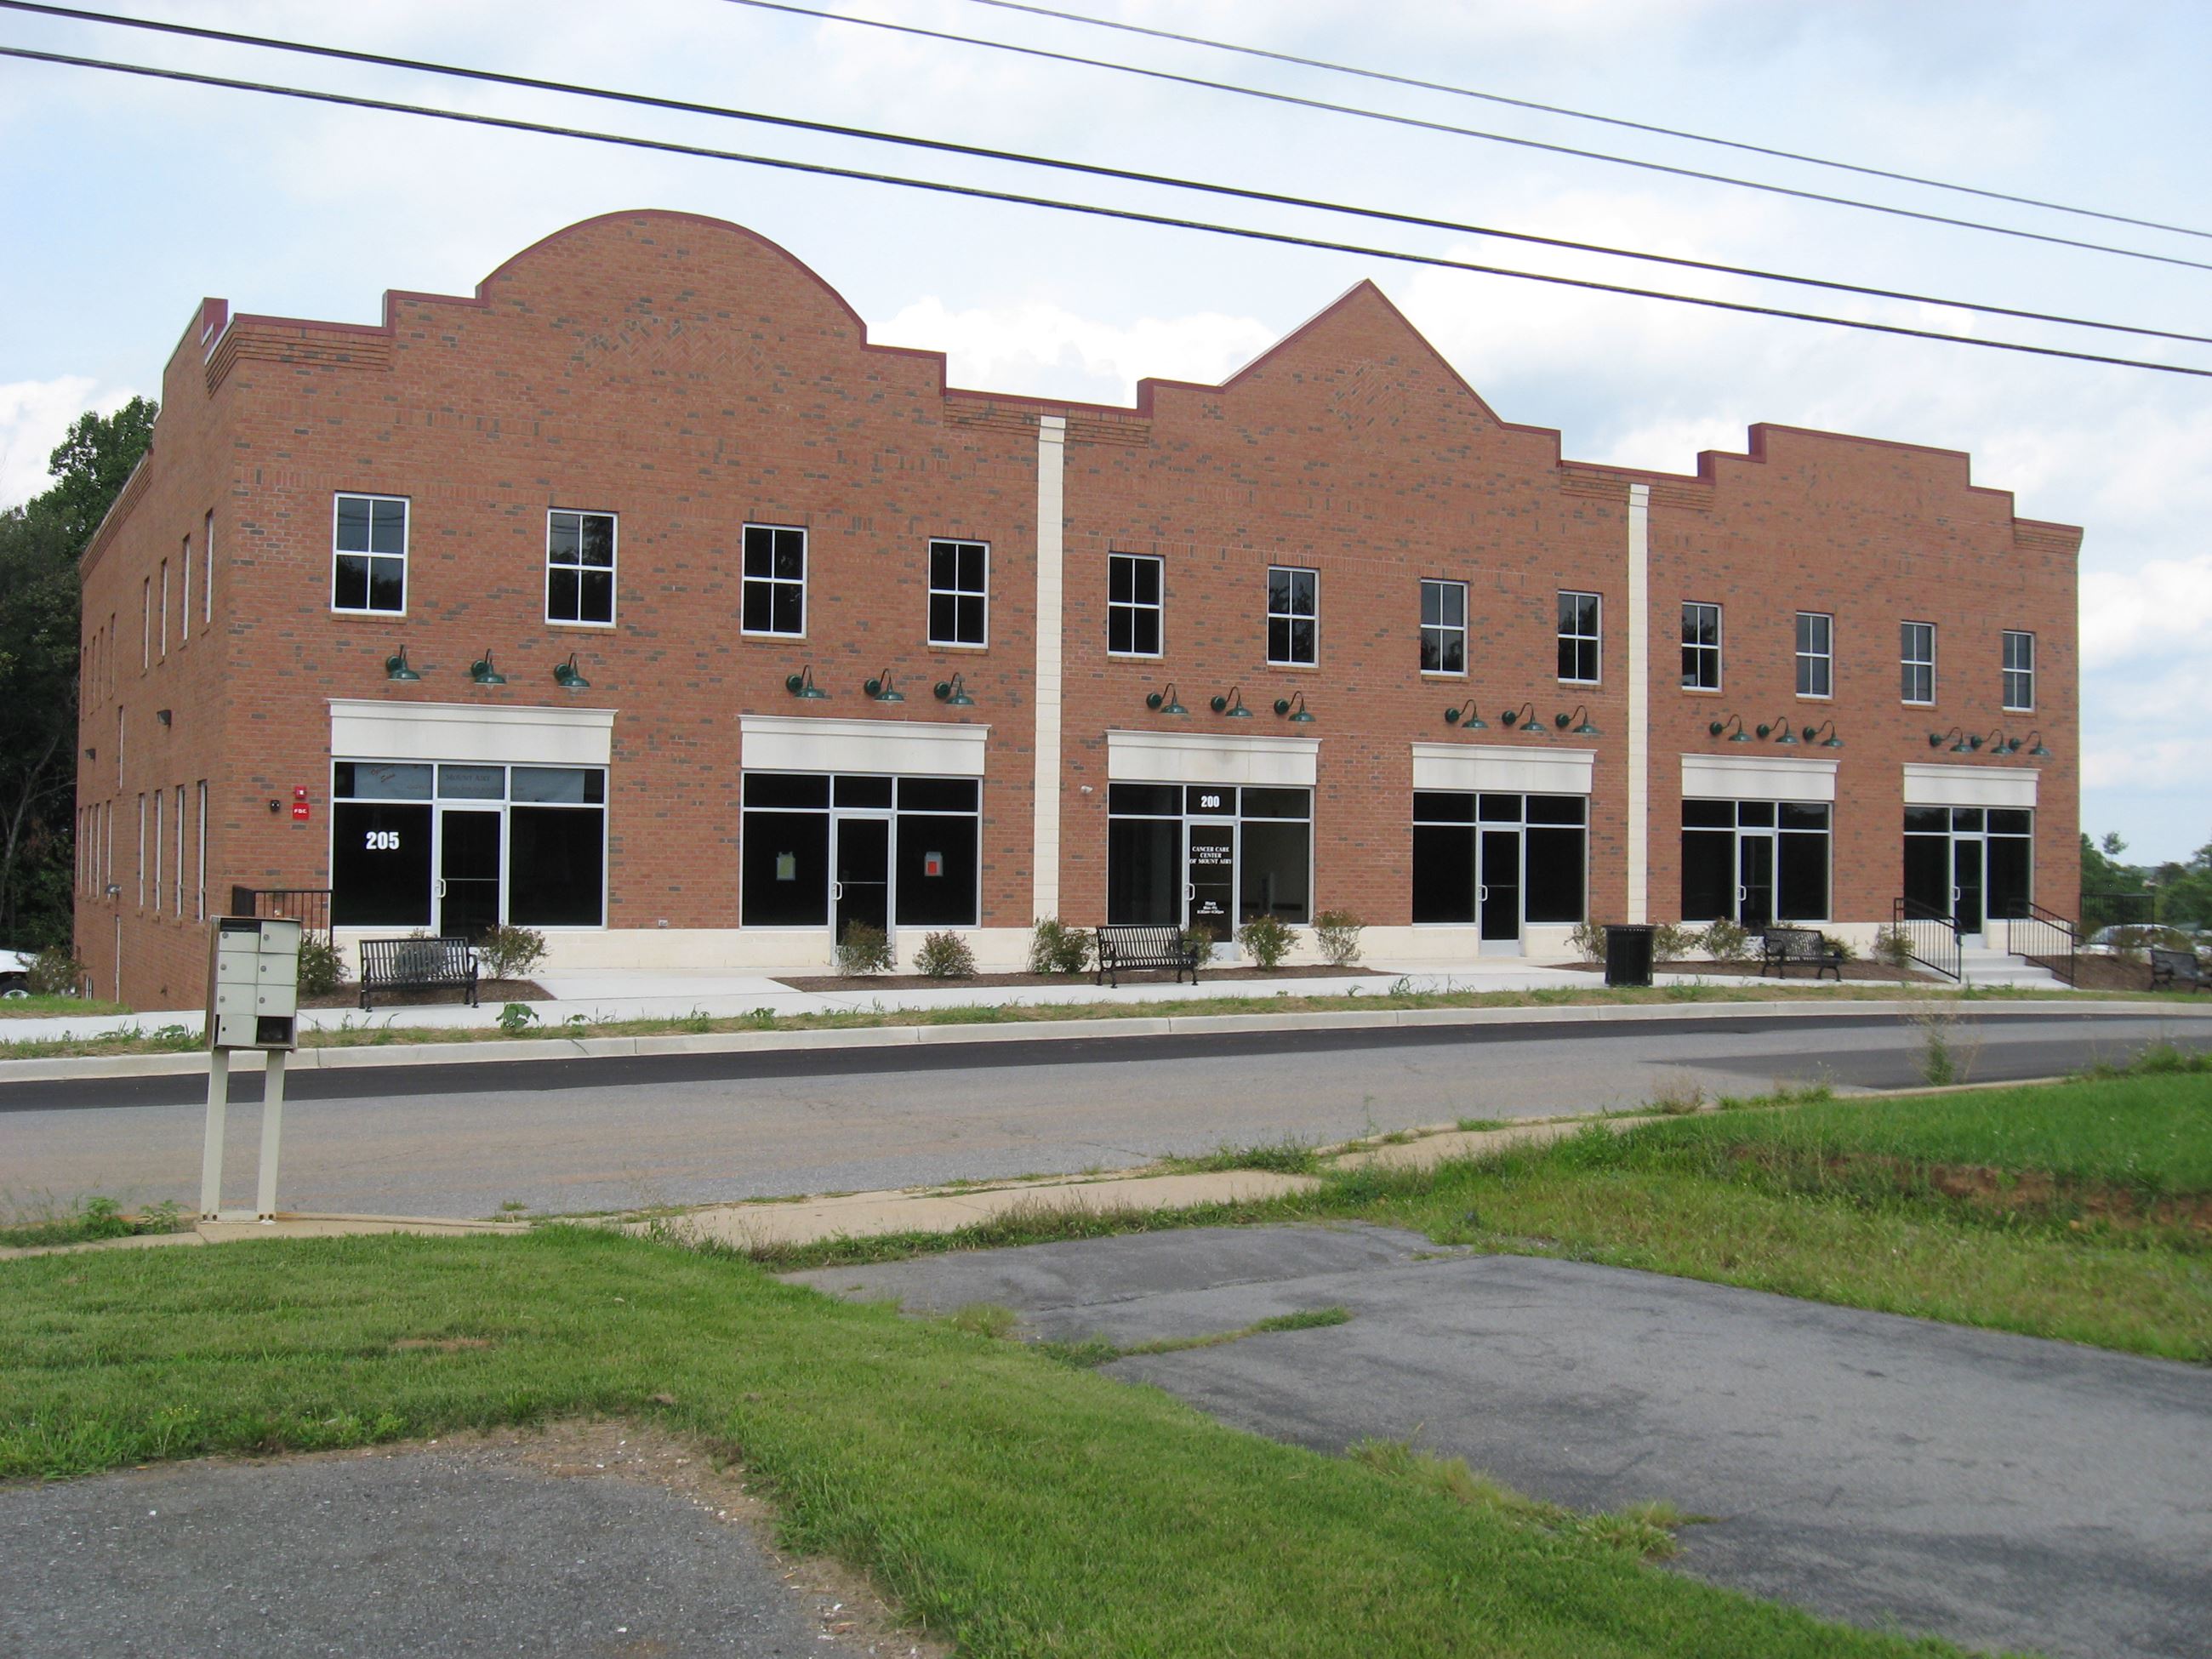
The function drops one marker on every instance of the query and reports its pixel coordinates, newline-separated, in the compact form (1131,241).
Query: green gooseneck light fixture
(1294,707)
(953,693)
(1165,702)
(1525,717)
(396,668)
(882,689)
(1787,737)
(1714,728)
(484,673)
(568,676)
(1232,705)
(2038,752)
(1586,729)
(1831,741)
(802,686)
(1463,716)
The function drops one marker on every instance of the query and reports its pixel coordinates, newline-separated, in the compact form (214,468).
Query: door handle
(1482,895)
(1190,890)
(442,887)
(1741,894)
(1956,896)
(836,889)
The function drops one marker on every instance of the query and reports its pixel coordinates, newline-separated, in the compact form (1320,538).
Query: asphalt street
(478,1550)
(1997,1490)
(598,1134)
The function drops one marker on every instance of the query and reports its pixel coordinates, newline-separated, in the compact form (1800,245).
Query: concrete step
(1987,967)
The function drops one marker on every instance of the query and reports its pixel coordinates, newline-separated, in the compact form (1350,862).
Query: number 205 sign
(380,841)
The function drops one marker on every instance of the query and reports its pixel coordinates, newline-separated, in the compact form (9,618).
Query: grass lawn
(1013,1502)
(40,1007)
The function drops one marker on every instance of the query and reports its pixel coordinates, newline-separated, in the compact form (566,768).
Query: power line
(1132,216)
(1585,115)
(1092,169)
(1396,119)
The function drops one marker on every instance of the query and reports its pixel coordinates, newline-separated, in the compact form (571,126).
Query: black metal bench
(2175,971)
(417,965)
(1780,946)
(1126,950)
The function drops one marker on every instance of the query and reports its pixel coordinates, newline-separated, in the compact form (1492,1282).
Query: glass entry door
(861,886)
(1212,889)
(1499,895)
(1754,892)
(468,873)
(1966,885)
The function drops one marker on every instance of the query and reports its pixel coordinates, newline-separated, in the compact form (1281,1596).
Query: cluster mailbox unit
(254,1003)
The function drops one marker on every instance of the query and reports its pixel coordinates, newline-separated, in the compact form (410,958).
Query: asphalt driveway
(2000,1490)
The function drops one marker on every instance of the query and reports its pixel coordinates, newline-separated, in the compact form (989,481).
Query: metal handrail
(2049,937)
(1932,936)
(308,906)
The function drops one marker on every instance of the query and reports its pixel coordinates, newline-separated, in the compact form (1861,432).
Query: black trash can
(1628,954)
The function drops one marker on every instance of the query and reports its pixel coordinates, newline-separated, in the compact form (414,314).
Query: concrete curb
(510,1051)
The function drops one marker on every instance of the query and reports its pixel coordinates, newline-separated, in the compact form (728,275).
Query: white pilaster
(1639,703)
(1051,594)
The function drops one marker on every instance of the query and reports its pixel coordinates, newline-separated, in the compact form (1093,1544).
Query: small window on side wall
(1916,654)
(774,597)
(1816,654)
(1580,638)
(579,568)
(959,592)
(1135,603)
(369,555)
(2019,672)
(1444,628)
(1701,647)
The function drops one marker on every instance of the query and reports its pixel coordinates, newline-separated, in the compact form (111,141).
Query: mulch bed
(1875,973)
(993,982)
(488,990)
(2104,973)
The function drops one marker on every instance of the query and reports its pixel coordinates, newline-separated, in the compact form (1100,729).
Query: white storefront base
(745,950)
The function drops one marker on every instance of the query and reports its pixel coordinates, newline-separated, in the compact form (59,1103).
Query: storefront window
(927,872)
(1754,862)
(1501,859)
(1208,855)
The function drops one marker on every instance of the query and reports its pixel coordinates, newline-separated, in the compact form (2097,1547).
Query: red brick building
(639,598)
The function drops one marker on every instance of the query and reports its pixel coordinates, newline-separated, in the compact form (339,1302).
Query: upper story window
(1444,628)
(1293,616)
(164,631)
(207,560)
(959,592)
(1135,604)
(1701,647)
(2018,672)
(580,569)
(1916,656)
(184,598)
(370,559)
(775,579)
(1579,638)
(1816,654)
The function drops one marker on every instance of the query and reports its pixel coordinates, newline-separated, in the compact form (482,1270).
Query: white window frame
(1293,615)
(185,598)
(1442,631)
(957,593)
(1716,648)
(207,559)
(405,555)
(614,565)
(772,582)
(1824,657)
(179,884)
(200,903)
(1596,639)
(162,635)
(2024,672)
(1908,664)
(1136,608)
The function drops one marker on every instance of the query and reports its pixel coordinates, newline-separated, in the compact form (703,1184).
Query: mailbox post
(254,1002)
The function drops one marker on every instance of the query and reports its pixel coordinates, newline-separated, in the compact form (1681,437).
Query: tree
(40,543)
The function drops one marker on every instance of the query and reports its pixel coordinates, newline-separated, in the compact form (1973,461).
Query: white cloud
(34,415)
(2128,615)
(1046,351)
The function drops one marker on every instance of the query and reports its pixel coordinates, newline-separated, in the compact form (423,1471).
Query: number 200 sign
(380,841)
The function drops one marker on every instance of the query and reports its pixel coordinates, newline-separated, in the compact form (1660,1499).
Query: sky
(131,199)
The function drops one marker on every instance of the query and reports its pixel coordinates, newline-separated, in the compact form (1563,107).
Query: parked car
(15,973)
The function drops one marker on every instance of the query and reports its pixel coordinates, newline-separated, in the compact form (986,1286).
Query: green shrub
(1337,932)
(1267,939)
(1671,941)
(1724,941)
(55,973)
(864,950)
(945,956)
(1841,947)
(1056,948)
(510,952)
(322,965)
(1199,943)
(1893,946)
(516,1017)
(1587,941)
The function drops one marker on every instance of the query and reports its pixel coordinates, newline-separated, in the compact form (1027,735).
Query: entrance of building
(468,871)
(860,882)
(1969,863)
(1754,893)
(1211,889)
(1497,897)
